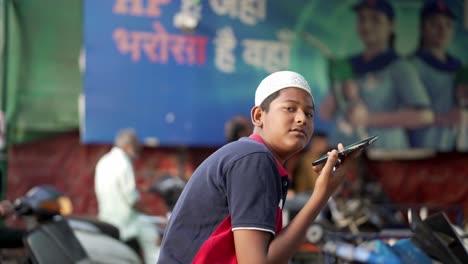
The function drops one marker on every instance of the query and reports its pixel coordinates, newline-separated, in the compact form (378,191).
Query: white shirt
(116,192)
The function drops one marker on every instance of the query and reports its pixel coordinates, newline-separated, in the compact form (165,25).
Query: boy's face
(289,124)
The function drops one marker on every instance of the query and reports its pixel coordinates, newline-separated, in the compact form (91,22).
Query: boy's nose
(301,117)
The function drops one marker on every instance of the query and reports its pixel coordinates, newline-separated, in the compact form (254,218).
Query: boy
(230,210)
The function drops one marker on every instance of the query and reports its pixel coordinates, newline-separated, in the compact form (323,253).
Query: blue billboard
(176,71)
(176,85)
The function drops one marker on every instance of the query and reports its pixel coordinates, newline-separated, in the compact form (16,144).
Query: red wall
(441,182)
(64,162)
(68,165)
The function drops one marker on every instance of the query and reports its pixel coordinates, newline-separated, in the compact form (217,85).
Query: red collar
(281,169)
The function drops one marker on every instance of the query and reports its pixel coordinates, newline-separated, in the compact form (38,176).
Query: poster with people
(412,98)
(177,70)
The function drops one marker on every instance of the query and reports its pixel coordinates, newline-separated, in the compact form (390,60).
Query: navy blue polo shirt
(240,186)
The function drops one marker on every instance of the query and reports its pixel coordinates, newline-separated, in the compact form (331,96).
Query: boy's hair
(265,105)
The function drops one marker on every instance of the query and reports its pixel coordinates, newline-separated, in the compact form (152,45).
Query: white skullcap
(280,80)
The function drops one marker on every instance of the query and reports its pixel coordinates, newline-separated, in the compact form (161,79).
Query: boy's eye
(310,115)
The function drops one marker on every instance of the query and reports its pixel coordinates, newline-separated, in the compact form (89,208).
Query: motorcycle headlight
(62,205)
(66,206)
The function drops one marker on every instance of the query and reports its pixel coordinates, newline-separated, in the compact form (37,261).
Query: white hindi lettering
(252,11)
(189,16)
(268,55)
(225,44)
(254,52)
(192,8)
(249,12)
(224,7)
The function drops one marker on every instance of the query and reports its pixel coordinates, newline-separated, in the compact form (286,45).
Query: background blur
(75,72)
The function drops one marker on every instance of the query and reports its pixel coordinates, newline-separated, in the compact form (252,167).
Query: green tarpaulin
(43,41)
(40,81)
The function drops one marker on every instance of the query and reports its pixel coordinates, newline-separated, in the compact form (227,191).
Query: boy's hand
(333,172)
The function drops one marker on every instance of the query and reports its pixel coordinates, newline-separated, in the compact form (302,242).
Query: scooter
(56,237)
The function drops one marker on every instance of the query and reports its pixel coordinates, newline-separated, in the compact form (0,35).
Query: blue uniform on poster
(437,68)
(388,93)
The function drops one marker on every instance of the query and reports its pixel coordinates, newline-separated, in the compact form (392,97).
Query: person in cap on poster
(230,209)
(436,69)
(391,96)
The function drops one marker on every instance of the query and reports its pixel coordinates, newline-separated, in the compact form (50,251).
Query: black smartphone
(348,150)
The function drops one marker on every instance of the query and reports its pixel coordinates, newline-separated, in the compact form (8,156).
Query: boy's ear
(256,115)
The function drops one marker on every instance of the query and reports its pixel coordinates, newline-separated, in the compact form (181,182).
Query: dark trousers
(133,243)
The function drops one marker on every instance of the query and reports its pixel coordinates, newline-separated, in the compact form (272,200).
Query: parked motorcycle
(431,240)
(56,237)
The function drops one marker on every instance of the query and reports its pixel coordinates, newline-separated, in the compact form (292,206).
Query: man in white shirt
(118,198)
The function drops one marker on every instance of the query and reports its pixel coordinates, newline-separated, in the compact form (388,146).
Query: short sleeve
(410,87)
(253,187)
